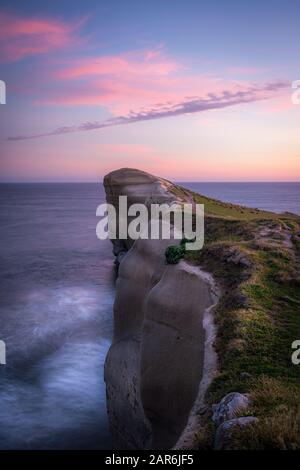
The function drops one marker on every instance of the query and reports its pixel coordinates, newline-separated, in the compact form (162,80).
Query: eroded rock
(229,407)
(154,368)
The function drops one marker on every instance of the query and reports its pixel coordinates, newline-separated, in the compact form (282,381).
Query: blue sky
(67,64)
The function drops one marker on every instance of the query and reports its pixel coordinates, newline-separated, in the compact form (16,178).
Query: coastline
(237,242)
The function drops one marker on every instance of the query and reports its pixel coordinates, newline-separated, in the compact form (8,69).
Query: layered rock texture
(161,359)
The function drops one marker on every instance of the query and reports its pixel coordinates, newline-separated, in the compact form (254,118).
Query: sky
(187,90)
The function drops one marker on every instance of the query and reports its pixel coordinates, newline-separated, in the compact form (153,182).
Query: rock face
(161,359)
(139,187)
(229,407)
(225,418)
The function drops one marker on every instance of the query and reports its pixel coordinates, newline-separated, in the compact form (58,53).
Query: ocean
(57,292)
(275,197)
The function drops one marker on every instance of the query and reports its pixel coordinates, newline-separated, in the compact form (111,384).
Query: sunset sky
(189,90)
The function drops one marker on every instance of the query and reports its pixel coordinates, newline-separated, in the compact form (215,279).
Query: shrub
(174,254)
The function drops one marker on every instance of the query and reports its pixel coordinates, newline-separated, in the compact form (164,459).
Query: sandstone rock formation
(161,359)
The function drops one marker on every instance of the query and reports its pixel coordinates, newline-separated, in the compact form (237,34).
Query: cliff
(161,372)
(154,368)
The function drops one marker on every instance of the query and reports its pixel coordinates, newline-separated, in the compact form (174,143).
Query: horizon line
(172,181)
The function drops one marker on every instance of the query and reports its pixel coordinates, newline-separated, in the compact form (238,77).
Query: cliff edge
(157,365)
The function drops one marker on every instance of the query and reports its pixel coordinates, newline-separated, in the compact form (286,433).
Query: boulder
(229,407)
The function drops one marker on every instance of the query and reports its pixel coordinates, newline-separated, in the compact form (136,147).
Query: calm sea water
(275,197)
(57,290)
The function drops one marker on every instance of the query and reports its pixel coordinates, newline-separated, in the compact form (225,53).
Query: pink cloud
(23,36)
(189,105)
(132,64)
(122,94)
(133,80)
(119,82)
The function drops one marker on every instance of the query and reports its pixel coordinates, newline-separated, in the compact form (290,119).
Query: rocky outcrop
(229,407)
(223,436)
(161,359)
(139,187)
(226,418)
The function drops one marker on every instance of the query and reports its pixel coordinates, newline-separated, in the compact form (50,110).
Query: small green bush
(174,253)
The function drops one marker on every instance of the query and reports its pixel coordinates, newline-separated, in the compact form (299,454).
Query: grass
(278,427)
(254,256)
(215,207)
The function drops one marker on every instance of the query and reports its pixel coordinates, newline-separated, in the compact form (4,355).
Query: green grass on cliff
(214,207)
(254,256)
